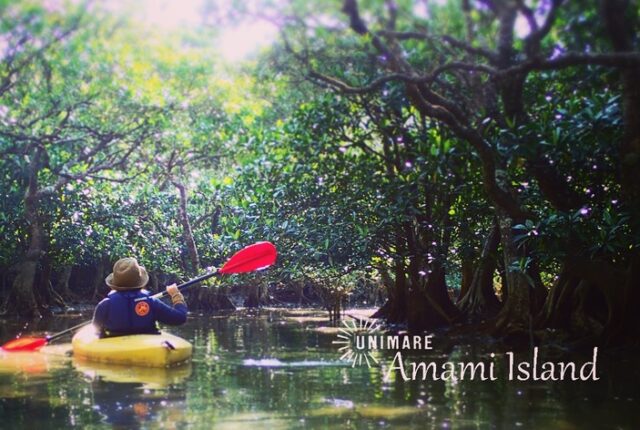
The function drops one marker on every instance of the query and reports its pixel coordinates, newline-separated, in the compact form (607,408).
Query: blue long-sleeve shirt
(135,312)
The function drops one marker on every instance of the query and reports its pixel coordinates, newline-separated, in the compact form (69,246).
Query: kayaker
(129,309)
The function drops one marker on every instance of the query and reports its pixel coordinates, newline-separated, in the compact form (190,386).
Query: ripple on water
(274,362)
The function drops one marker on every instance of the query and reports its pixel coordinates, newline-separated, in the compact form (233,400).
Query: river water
(280,369)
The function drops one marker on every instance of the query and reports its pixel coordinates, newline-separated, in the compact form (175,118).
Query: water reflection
(148,377)
(129,405)
(279,369)
(31,364)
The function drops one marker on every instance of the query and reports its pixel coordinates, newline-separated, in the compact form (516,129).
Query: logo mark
(353,338)
(142,309)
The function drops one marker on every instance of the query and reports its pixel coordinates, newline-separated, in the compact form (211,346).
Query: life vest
(128,312)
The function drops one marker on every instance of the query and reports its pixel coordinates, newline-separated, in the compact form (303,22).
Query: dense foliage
(472,160)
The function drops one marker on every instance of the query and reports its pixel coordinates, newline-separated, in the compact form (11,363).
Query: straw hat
(127,275)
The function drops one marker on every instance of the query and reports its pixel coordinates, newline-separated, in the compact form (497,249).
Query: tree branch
(407,35)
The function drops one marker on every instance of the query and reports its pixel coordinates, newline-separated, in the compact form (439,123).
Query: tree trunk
(389,284)
(429,305)
(24,300)
(45,291)
(628,326)
(583,321)
(255,295)
(98,286)
(211,299)
(3,282)
(330,296)
(301,299)
(398,296)
(62,285)
(481,301)
(466,272)
(557,308)
(515,315)
(207,299)
(620,19)
(24,283)
(394,310)
(187,234)
(154,282)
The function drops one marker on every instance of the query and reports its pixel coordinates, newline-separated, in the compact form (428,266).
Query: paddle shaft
(188,283)
(155,296)
(62,333)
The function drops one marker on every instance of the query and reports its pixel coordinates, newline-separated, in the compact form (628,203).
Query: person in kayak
(129,309)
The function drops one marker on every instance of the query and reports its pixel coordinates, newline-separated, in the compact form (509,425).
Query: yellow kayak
(149,350)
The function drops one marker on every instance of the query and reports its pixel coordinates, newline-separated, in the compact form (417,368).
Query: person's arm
(101,314)
(166,314)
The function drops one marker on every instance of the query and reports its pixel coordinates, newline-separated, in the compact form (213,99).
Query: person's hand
(176,295)
(172,290)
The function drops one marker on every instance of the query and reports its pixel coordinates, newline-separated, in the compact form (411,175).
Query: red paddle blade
(254,257)
(25,344)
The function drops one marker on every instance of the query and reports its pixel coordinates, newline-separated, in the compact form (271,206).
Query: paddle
(254,257)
